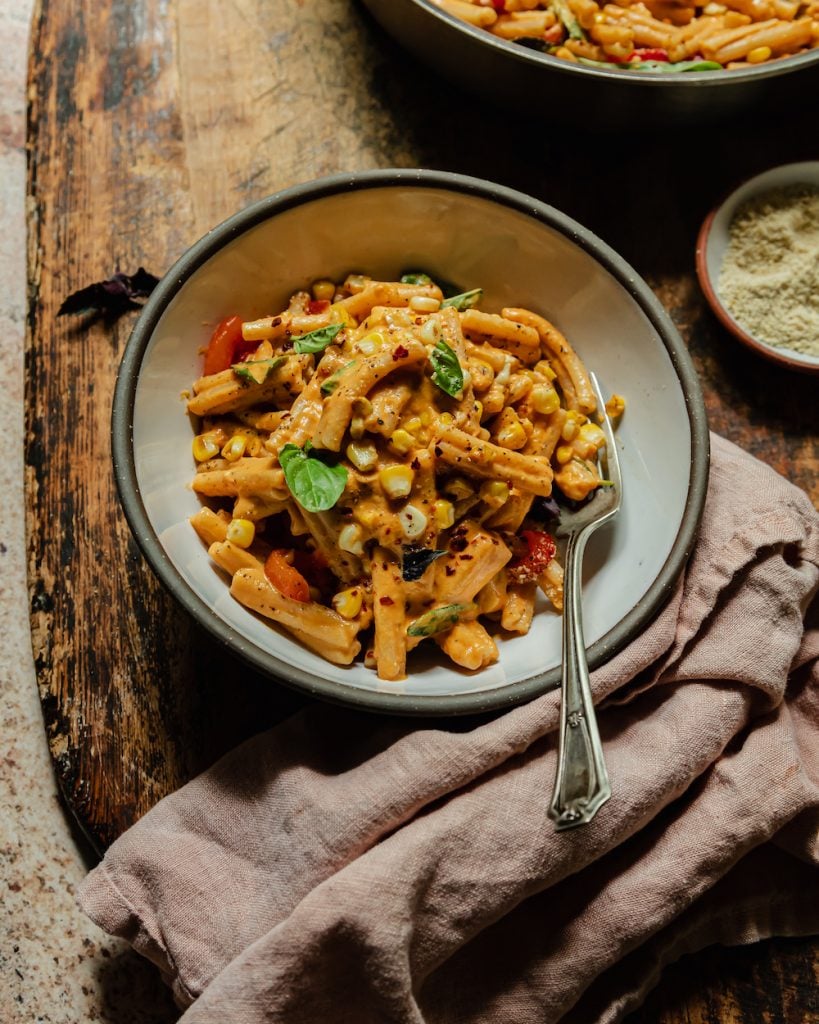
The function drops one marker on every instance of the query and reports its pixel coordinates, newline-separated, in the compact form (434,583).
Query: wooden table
(152,120)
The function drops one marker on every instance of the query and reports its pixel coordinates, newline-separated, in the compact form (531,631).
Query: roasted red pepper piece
(650,53)
(318,306)
(226,346)
(540,550)
(285,578)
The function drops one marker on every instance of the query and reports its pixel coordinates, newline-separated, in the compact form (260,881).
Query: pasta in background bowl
(524,255)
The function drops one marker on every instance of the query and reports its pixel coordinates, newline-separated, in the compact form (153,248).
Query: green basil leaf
(316,341)
(256,372)
(438,620)
(328,386)
(416,277)
(466,300)
(314,484)
(446,370)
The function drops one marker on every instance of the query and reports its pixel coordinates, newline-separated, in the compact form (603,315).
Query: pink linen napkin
(349,868)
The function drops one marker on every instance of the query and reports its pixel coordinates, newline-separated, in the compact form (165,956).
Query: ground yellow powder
(769,281)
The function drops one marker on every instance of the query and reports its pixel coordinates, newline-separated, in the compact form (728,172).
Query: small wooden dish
(712,244)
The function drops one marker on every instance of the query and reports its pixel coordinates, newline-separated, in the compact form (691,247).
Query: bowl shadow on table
(130,989)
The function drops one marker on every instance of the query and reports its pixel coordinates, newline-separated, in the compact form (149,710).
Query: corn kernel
(426,418)
(323,290)
(397,481)
(350,539)
(616,406)
(564,454)
(204,448)
(339,315)
(569,431)
(544,369)
(402,441)
(235,448)
(431,332)
(593,435)
(759,55)
(362,407)
(509,432)
(413,424)
(362,456)
(370,343)
(348,602)
(424,304)
(241,532)
(544,399)
(443,513)
(494,493)
(446,419)
(413,521)
(367,515)
(458,488)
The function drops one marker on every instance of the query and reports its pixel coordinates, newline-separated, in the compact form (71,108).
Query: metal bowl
(537,86)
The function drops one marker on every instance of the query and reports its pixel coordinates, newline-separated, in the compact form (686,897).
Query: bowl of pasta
(632,64)
(347,420)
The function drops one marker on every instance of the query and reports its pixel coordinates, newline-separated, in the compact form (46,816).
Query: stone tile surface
(55,965)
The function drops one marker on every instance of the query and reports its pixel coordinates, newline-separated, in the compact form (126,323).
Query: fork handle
(582,782)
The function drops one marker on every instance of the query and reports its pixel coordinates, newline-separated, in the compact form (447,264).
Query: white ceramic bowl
(471,233)
(712,244)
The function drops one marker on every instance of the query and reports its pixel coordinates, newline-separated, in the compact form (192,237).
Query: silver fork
(582,782)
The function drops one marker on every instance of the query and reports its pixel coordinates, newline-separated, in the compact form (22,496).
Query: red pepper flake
(458,543)
(386,600)
(439,451)
(415,464)
(400,353)
(449,570)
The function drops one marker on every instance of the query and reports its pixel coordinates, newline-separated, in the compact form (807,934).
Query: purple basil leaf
(114,296)
(416,561)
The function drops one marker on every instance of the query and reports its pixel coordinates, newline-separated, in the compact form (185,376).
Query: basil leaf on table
(466,300)
(314,484)
(447,372)
(316,341)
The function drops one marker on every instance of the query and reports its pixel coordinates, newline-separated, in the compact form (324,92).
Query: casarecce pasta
(651,35)
(378,457)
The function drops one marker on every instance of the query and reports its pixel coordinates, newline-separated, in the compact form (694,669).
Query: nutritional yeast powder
(769,281)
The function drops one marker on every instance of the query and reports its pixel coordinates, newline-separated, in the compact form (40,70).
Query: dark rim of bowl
(782,357)
(465,703)
(654,79)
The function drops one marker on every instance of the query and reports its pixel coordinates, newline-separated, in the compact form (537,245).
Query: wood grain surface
(152,120)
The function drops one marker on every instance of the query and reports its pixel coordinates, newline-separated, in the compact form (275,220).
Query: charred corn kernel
(324,290)
(564,454)
(413,424)
(235,448)
(759,55)
(458,488)
(241,532)
(339,315)
(592,434)
(616,406)
(544,368)
(348,602)
(402,441)
(362,456)
(569,431)
(396,481)
(443,513)
(494,493)
(204,448)
(544,399)
(413,521)
(367,516)
(362,407)
(350,539)
(370,343)
(509,432)
(424,304)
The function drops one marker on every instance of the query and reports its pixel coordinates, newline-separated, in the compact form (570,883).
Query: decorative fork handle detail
(582,782)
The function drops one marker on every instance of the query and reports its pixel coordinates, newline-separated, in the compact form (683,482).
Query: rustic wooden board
(150,121)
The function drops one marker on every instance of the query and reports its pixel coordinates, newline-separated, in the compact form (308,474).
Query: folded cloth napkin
(343,867)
